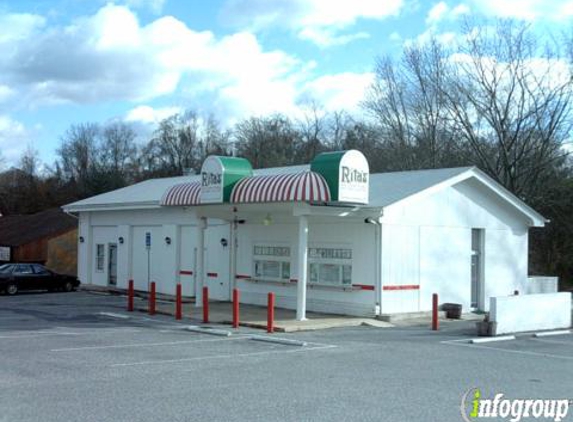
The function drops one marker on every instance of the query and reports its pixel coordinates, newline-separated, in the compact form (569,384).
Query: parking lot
(81,357)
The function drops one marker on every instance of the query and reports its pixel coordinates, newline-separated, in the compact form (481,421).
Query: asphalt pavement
(82,357)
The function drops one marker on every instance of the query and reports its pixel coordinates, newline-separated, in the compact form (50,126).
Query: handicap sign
(148,240)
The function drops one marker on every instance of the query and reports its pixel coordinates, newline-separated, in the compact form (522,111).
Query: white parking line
(226,356)
(114,315)
(167,343)
(544,340)
(516,352)
(33,334)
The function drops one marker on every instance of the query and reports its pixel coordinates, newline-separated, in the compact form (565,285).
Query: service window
(100,254)
(330,266)
(271,262)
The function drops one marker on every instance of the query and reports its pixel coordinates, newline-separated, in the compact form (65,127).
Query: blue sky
(70,61)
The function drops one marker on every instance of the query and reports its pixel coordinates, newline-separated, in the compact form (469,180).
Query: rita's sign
(219,175)
(347,174)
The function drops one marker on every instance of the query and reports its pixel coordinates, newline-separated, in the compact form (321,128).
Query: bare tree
(407,102)
(267,141)
(78,155)
(508,100)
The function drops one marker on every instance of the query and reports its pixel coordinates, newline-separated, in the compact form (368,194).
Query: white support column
(378,260)
(233,243)
(200,262)
(302,267)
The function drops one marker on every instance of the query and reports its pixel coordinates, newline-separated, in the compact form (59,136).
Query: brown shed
(48,237)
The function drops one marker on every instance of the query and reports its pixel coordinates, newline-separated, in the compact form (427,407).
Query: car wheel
(12,289)
(68,287)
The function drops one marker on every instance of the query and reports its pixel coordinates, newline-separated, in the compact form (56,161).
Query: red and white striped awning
(182,194)
(294,187)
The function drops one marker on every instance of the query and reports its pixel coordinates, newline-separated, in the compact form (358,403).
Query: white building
(328,237)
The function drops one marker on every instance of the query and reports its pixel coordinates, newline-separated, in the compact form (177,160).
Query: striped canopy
(182,194)
(294,187)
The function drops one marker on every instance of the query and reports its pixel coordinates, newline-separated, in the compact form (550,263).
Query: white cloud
(342,91)
(111,56)
(319,21)
(149,115)
(19,26)
(526,9)
(441,11)
(155,6)
(459,10)
(13,134)
(437,12)
(327,38)
(6,93)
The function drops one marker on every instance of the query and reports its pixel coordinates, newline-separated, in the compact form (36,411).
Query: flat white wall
(357,235)
(514,314)
(427,242)
(165,260)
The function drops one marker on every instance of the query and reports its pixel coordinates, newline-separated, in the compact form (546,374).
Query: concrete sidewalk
(256,316)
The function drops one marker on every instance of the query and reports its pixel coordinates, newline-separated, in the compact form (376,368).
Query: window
(330,266)
(23,269)
(100,254)
(38,269)
(272,262)
(6,268)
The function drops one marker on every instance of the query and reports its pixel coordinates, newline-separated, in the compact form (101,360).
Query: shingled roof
(16,230)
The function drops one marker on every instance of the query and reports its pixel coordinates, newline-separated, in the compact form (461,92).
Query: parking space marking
(544,340)
(167,343)
(33,334)
(225,356)
(517,352)
(114,315)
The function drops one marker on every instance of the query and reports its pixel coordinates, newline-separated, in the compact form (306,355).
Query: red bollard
(235,308)
(152,299)
(271,313)
(435,322)
(178,302)
(205,304)
(130,296)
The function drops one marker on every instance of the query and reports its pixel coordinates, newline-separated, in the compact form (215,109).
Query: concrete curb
(552,333)
(114,315)
(212,331)
(491,339)
(278,340)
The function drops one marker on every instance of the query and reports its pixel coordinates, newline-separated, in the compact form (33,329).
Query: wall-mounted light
(268,220)
(168,240)
(224,242)
(81,239)
(120,240)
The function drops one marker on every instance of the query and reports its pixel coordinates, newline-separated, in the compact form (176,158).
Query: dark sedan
(15,277)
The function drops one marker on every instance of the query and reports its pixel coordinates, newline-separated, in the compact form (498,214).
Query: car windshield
(6,268)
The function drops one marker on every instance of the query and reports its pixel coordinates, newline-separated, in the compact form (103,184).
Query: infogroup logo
(474,407)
